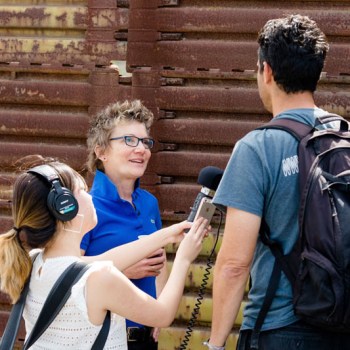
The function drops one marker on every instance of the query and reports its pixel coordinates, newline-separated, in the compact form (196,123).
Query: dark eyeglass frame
(148,144)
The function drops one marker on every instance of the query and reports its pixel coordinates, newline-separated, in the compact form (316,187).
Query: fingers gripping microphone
(209,177)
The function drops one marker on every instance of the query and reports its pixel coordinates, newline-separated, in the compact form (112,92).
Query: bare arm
(160,284)
(162,276)
(232,271)
(128,254)
(113,291)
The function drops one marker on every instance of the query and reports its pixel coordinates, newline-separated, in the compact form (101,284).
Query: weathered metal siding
(195,62)
(54,74)
(63,31)
(46,111)
(192,62)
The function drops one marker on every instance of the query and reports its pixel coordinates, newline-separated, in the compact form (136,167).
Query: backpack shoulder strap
(331,117)
(297,129)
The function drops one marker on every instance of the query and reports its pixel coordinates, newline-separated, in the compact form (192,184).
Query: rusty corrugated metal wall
(192,62)
(195,61)
(54,74)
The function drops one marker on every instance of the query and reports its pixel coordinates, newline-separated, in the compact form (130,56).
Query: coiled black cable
(201,291)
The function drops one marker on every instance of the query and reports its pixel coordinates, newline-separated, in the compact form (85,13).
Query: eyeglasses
(133,141)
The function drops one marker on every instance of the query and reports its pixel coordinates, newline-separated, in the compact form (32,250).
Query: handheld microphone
(209,177)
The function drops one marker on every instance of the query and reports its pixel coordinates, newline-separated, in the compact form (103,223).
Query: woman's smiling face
(123,161)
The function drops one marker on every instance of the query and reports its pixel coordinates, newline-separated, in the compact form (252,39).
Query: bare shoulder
(103,275)
(101,282)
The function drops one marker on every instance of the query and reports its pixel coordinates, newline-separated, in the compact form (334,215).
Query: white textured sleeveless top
(71,329)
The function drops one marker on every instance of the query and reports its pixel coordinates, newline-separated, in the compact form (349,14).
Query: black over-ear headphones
(60,200)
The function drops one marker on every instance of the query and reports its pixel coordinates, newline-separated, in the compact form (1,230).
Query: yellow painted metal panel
(171,338)
(188,303)
(66,32)
(47,17)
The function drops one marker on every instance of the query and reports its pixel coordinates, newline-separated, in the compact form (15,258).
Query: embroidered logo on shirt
(153,221)
(290,166)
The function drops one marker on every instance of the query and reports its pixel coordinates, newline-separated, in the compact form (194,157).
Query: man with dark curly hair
(261,180)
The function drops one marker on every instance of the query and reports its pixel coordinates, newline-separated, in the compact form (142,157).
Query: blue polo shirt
(119,223)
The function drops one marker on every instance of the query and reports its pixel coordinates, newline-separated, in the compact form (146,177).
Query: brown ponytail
(35,226)
(15,264)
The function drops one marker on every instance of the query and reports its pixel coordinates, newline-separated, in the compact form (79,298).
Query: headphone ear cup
(62,205)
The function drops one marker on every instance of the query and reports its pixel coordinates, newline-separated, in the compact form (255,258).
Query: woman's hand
(176,232)
(192,243)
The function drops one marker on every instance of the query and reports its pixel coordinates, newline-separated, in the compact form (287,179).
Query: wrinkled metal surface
(204,37)
(193,63)
(201,116)
(45,110)
(82,33)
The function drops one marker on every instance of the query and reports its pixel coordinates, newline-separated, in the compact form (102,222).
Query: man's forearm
(228,291)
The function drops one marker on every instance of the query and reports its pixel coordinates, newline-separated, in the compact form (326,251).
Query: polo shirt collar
(103,187)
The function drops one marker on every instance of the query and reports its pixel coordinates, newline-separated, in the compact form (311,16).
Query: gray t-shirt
(262,178)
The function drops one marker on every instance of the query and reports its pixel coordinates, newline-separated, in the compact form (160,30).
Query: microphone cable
(201,292)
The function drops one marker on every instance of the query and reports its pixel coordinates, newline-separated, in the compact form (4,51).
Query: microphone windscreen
(210,177)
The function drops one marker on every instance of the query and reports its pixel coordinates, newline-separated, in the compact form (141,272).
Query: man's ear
(267,73)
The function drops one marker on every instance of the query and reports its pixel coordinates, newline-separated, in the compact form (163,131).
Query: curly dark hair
(295,48)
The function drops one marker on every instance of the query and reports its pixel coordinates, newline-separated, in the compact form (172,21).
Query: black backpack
(318,267)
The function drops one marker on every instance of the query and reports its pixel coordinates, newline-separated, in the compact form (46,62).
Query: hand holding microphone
(209,177)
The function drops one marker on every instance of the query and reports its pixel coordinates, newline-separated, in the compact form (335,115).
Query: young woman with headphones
(52,211)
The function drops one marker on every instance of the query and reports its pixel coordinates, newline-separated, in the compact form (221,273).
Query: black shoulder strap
(270,293)
(331,117)
(297,129)
(58,296)
(10,333)
(103,335)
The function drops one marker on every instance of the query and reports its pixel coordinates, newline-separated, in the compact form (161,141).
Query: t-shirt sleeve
(85,241)
(242,185)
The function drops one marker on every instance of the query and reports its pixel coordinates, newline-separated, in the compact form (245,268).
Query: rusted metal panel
(232,18)
(51,105)
(195,64)
(201,115)
(213,132)
(65,32)
(53,77)
(45,109)
(226,55)
(224,38)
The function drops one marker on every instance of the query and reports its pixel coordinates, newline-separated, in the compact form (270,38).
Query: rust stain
(62,17)
(80,18)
